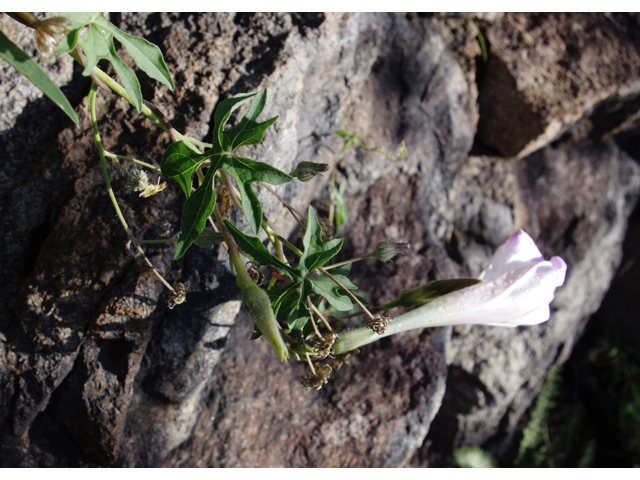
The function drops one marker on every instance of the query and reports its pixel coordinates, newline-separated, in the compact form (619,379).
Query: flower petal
(517,250)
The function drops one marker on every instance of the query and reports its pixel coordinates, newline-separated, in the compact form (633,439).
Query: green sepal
(430,291)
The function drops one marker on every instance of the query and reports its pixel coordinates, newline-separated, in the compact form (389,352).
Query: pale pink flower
(517,288)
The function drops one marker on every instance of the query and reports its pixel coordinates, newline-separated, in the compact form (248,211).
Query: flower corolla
(517,288)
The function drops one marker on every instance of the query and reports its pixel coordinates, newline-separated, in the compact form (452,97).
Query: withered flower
(317,380)
(49,32)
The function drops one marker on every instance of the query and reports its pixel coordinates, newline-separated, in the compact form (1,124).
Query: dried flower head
(152,189)
(322,349)
(179,294)
(317,380)
(49,32)
(379,324)
(385,251)
(137,180)
(336,361)
(224,202)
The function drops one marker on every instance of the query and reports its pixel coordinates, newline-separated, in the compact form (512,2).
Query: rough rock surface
(96,370)
(549,72)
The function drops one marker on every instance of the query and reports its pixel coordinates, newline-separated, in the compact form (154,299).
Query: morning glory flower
(517,288)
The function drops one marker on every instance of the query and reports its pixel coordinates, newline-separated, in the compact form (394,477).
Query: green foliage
(24,64)
(208,237)
(341,213)
(474,457)
(289,303)
(97,44)
(532,444)
(181,162)
(258,253)
(197,209)
(316,252)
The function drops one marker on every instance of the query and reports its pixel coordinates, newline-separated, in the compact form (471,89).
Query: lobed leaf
(180,162)
(326,287)
(97,44)
(222,114)
(245,171)
(147,56)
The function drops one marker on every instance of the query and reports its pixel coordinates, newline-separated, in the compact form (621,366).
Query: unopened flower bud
(385,251)
(305,171)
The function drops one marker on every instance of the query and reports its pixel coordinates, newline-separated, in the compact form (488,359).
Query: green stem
(103,162)
(289,245)
(139,162)
(346,262)
(105,174)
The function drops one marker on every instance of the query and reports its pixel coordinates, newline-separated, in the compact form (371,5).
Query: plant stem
(346,262)
(139,162)
(105,174)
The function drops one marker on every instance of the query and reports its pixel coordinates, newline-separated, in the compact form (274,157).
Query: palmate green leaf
(181,163)
(97,44)
(147,56)
(196,210)
(253,247)
(316,252)
(245,171)
(24,64)
(248,131)
(430,291)
(326,287)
